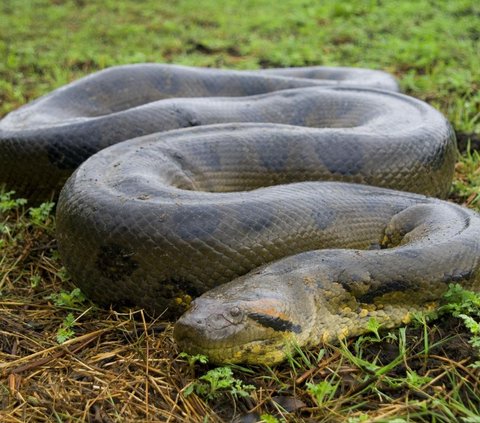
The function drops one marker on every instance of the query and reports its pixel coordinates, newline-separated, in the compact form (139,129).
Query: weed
(193,359)
(464,305)
(216,382)
(66,330)
(374,326)
(35,281)
(323,391)
(40,216)
(72,299)
(268,418)
(8,203)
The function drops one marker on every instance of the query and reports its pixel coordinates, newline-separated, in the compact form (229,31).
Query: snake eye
(235,314)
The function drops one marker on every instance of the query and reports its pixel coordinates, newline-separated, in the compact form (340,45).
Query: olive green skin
(158,220)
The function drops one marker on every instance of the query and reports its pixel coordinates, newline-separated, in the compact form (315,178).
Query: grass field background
(115,367)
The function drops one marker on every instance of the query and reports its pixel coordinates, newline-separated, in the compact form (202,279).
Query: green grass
(432,47)
(119,366)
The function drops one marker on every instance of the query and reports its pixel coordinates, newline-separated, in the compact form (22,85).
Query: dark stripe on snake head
(276,323)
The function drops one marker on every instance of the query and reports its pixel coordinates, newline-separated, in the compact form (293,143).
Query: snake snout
(208,324)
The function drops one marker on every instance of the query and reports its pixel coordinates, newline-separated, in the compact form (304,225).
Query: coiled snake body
(166,216)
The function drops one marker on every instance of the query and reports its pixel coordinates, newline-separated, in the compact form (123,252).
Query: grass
(63,359)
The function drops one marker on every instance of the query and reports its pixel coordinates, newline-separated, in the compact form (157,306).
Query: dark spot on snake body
(409,253)
(70,146)
(167,84)
(275,323)
(64,157)
(253,219)
(213,86)
(437,157)
(384,288)
(195,223)
(114,262)
(177,287)
(341,157)
(273,156)
(212,160)
(298,119)
(457,275)
(323,217)
(207,155)
(186,118)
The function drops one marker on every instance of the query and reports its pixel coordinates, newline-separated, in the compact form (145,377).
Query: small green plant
(72,299)
(268,418)
(374,326)
(193,359)
(358,419)
(7,203)
(414,380)
(464,305)
(41,215)
(66,331)
(323,391)
(219,381)
(35,280)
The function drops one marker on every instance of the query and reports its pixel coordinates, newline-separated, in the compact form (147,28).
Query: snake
(271,210)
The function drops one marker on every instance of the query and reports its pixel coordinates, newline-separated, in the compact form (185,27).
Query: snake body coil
(162,218)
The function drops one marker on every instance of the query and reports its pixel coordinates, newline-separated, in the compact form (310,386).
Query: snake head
(245,321)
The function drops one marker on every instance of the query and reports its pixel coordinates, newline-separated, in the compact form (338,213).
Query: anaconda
(159,219)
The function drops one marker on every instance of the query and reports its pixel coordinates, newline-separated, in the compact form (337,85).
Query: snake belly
(164,217)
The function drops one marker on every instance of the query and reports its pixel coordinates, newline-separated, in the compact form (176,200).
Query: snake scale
(269,192)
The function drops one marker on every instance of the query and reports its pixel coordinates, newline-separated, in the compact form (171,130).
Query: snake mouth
(267,351)
(233,333)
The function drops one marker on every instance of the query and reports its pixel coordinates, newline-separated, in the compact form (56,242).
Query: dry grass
(125,367)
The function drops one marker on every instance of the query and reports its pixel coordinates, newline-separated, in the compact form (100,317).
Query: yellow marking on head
(344,332)
(309,281)
(363,313)
(431,306)
(407,318)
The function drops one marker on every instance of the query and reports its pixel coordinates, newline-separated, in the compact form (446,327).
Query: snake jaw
(244,331)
